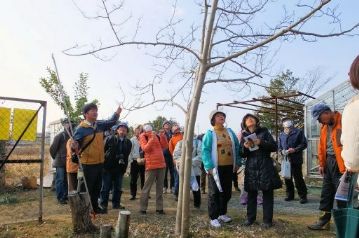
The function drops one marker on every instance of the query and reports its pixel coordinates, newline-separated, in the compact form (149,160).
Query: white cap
(147,128)
(287,123)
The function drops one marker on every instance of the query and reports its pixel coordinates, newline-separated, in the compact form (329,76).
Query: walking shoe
(133,198)
(224,218)
(303,200)
(266,225)
(287,199)
(320,225)
(248,223)
(323,223)
(160,212)
(100,210)
(237,189)
(117,206)
(62,201)
(215,223)
(164,190)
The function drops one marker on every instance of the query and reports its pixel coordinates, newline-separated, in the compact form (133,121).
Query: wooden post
(105,231)
(123,224)
(2,170)
(80,212)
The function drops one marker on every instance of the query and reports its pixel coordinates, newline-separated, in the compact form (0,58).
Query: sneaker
(287,199)
(266,225)
(224,218)
(160,212)
(303,200)
(248,223)
(215,223)
(133,198)
(62,201)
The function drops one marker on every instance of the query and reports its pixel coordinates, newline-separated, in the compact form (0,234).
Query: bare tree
(232,44)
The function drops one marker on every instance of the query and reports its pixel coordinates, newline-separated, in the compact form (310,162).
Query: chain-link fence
(336,98)
(22,153)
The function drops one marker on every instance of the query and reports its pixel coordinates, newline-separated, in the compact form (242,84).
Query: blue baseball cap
(318,109)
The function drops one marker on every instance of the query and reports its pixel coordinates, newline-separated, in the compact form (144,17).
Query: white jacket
(350,134)
(196,156)
(135,150)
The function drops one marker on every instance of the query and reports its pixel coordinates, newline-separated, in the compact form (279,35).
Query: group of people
(219,153)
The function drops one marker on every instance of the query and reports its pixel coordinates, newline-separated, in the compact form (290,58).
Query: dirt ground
(18,207)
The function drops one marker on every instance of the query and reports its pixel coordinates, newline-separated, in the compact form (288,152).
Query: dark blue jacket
(296,140)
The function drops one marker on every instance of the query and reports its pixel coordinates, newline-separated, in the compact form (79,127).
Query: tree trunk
(123,224)
(180,177)
(201,75)
(80,212)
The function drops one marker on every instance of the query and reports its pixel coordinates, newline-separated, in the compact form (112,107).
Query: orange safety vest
(337,146)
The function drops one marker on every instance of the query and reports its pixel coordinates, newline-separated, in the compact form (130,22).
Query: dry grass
(14,172)
(57,220)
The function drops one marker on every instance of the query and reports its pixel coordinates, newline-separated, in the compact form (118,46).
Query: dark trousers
(111,180)
(267,206)
(217,201)
(203,178)
(235,179)
(61,183)
(330,184)
(93,176)
(296,173)
(135,172)
(170,168)
(197,194)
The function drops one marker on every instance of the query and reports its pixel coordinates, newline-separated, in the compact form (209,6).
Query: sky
(30,31)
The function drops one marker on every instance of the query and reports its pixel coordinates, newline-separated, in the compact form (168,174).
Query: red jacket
(337,146)
(153,147)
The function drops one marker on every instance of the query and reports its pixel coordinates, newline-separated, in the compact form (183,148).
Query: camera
(121,159)
(74,158)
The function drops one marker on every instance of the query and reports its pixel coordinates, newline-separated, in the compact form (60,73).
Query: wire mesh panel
(336,98)
(22,147)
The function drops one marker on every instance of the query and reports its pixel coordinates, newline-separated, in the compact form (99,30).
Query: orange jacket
(71,167)
(337,146)
(173,142)
(153,147)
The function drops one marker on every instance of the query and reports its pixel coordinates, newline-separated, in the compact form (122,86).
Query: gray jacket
(58,149)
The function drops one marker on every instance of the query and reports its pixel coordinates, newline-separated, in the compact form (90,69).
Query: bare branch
(273,37)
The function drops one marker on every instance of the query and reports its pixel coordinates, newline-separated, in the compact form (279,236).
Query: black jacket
(296,140)
(259,173)
(117,150)
(58,149)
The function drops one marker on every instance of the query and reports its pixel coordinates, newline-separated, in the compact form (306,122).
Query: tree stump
(80,212)
(123,224)
(105,231)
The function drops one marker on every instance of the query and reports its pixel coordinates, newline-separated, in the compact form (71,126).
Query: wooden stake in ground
(106,231)
(123,224)
(81,220)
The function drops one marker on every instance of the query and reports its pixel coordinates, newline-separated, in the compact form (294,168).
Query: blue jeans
(61,183)
(111,180)
(176,175)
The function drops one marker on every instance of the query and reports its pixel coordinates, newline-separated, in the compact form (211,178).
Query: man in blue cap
(117,149)
(331,165)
